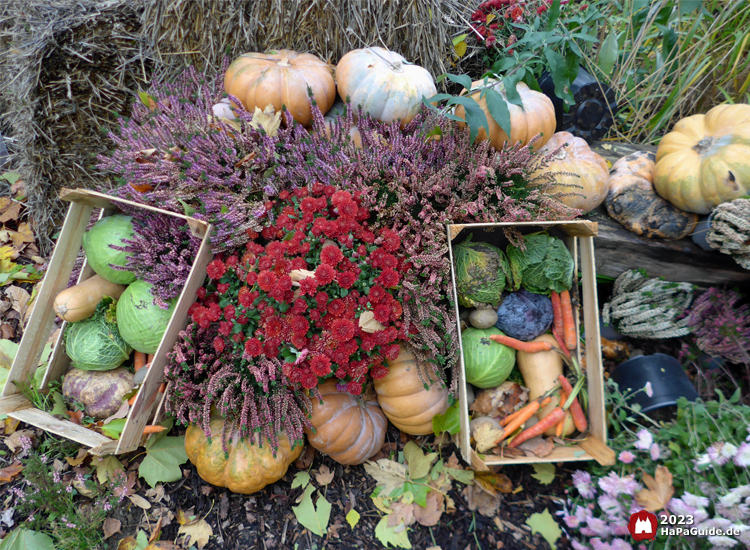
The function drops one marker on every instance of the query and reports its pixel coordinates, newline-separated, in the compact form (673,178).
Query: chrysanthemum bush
(310,298)
(707,451)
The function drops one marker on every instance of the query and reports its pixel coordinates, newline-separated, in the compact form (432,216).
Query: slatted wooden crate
(578,237)
(41,323)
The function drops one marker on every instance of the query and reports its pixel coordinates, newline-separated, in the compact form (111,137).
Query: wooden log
(619,250)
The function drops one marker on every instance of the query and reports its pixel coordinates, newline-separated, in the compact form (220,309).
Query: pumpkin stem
(704,145)
(284,62)
(396,66)
(561,154)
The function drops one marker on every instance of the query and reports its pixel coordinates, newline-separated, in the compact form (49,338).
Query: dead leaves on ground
(195,529)
(659,492)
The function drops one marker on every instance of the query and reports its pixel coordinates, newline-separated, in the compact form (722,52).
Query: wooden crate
(41,323)
(578,237)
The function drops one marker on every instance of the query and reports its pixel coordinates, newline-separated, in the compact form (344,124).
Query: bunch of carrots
(564,331)
(141,360)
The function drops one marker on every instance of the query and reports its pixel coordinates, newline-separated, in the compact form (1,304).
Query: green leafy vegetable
(545,264)
(482,271)
(95,343)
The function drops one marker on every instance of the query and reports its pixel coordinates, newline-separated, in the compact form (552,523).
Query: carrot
(505,421)
(527,412)
(569,324)
(150,358)
(540,427)
(561,424)
(153,429)
(163,387)
(132,400)
(139,360)
(528,347)
(560,341)
(579,418)
(557,312)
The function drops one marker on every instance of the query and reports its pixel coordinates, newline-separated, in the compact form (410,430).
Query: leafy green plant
(314,516)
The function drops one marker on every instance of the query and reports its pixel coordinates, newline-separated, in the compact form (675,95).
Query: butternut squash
(79,302)
(540,371)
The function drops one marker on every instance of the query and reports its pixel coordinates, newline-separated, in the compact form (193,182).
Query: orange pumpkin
(581,176)
(248,467)
(404,399)
(703,161)
(384,84)
(632,200)
(536,117)
(281,78)
(348,429)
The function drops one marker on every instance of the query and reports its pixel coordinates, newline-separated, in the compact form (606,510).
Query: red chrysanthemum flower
(396,310)
(266,280)
(318,226)
(216,269)
(340,356)
(201,293)
(382,313)
(337,307)
(265,263)
(229,312)
(389,278)
(218,344)
(314,315)
(342,330)
(214,312)
(299,262)
(225,328)
(346,279)
(321,299)
(284,283)
(232,261)
(348,208)
(368,342)
(340,197)
(253,347)
(273,327)
(309,381)
(354,388)
(325,274)
(376,294)
(390,352)
(252,278)
(309,204)
(271,347)
(198,313)
(391,240)
(221,288)
(241,320)
(261,305)
(308,286)
(275,249)
(299,325)
(320,365)
(299,307)
(331,255)
(299,341)
(379,371)
(238,337)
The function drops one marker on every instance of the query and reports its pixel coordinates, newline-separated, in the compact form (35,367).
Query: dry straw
(71,66)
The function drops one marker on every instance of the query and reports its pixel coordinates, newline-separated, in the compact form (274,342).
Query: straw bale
(204,31)
(71,66)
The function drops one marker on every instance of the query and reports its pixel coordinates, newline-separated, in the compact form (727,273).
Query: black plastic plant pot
(668,380)
(590,117)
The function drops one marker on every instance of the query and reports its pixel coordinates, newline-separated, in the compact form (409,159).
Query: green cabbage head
(487,364)
(95,343)
(482,272)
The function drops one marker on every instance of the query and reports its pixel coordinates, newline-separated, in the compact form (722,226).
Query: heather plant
(707,451)
(721,325)
(162,252)
(314,301)
(70,507)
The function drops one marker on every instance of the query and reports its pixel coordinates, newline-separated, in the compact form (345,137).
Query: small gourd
(483,318)
(79,302)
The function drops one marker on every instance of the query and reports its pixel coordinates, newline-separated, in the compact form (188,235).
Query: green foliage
(313,516)
(95,343)
(544,473)
(164,455)
(25,539)
(449,421)
(544,265)
(545,525)
(482,272)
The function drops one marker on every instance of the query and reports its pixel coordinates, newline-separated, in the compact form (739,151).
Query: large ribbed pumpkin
(281,78)
(581,176)
(348,429)
(384,84)
(404,399)
(536,117)
(705,160)
(248,467)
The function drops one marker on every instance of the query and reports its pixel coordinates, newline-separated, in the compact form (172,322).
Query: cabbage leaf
(545,264)
(95,343)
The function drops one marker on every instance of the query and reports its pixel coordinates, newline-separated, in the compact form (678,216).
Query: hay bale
(73,66)
(202,32)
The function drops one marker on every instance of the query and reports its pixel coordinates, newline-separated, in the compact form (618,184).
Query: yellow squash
(79,302)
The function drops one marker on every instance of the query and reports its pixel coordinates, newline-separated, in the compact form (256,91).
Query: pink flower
(742,456)
(648,389)
(582,482)
(615,485)
(626,457)
(645,439)
(655,452)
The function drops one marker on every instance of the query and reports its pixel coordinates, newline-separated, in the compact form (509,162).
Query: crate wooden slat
(41,321)
(579,238)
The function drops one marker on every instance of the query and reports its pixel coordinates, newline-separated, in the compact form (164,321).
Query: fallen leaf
(7,517)
(267,119)
(19,299)
(156,531)
(23,235)
(9,472)
(9,209)
(453,462)
(13,442)
(500,401)
(324,475)
(106,467)
(388,535)
(79,458)
(402,513)
(139,501)
(368,323)
(305,459)
(545,473)
(156,494)
(128,543)
(82,489)
(122,412)
(387,473)
(430,515)
(333,530)
(6,331)
(26,539)
(659,492)
(418,462)
(313,516)
(545,525)
(481,501)
(10,425)
(352,518)
(111,526)
(537,446)
(207,489)
(76,417)
(163,459)
(493,483)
